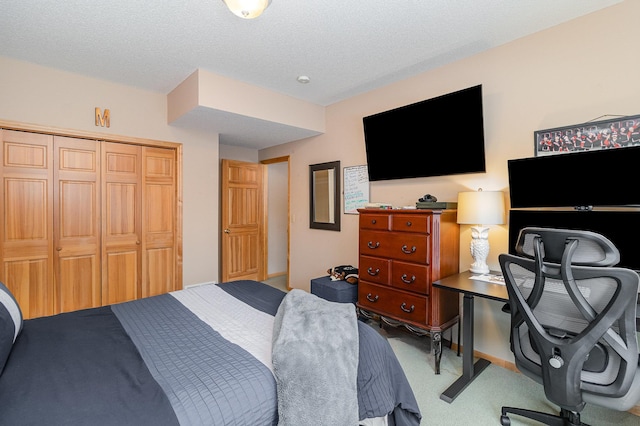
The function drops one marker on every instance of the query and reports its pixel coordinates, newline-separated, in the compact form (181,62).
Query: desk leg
(467,336)
(469,370)
(459,325)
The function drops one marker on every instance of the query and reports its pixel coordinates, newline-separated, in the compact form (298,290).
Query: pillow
(10,323)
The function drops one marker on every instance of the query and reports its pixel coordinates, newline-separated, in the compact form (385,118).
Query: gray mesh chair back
(573,317)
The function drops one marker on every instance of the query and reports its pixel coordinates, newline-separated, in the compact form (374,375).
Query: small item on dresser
(428,198)
(437,205)
(346,273)
(385,206)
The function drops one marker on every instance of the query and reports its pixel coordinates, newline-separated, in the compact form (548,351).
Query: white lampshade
(247,9)
(481,207)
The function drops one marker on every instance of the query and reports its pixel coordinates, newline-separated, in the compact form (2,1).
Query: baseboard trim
(276,274)
(199,284)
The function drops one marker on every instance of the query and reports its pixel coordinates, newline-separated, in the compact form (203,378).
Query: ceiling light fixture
(247,9)
(303,79)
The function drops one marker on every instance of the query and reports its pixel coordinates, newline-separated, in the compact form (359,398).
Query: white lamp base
(478,269)
(479,249)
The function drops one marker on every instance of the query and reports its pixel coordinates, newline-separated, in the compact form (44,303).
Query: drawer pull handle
(408,223)
(406,281)
(372,299)
(373,246)
(373,221)
(406,251)
(373,273)
(404,307)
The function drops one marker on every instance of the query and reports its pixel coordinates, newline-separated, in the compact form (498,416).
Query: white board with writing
(356,188)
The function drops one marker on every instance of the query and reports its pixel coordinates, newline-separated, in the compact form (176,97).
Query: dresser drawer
(374,269)
(410,223)
(374,221)
(396,304)
(410,276)
(401,246)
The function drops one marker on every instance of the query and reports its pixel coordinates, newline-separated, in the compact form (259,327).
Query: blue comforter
(199,356)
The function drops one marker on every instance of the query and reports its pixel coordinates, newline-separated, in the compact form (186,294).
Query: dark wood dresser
(402,252)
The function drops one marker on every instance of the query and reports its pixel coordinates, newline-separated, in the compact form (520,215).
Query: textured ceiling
(345,47)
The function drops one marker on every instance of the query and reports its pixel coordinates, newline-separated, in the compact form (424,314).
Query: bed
(198,356)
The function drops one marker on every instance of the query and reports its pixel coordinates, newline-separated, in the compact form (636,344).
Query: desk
(462,283)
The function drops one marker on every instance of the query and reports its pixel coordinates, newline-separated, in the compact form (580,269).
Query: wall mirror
(324,193)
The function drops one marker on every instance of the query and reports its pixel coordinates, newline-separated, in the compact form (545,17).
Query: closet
(87,222)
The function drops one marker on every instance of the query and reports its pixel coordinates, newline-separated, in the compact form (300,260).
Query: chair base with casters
(565,418)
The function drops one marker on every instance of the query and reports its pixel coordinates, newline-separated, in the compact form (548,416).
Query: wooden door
(26,239)
(76,201)
(159,224)
(243,221)
(121,222)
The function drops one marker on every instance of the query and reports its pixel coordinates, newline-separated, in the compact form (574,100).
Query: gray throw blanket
(315,361)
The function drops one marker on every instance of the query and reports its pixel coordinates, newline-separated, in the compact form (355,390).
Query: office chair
(572,322)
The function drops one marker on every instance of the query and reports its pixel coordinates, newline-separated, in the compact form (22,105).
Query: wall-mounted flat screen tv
(436,137)
(606,177)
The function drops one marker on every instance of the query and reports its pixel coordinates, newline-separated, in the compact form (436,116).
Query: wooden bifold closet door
(85,223)
(159,220)
(76,223)
(27,221)
(122,254)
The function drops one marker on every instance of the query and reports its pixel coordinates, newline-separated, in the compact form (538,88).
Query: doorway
(278,220)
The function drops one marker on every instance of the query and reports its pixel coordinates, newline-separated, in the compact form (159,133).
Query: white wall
(278,208)
(47,97)
(230,152)
(565,75)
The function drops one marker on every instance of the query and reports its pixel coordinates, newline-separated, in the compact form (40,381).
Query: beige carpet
(481,401)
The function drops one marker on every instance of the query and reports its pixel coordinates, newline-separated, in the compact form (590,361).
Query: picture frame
(324,196)
(618,132)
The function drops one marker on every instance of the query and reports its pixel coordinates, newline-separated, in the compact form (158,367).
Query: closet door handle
(373,246)
(407,281)
(404,308)
(407,251)
(372,299)
(373,273)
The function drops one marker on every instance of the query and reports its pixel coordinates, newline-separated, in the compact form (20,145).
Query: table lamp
(480,208)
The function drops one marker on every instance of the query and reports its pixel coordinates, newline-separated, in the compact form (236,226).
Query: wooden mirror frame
(327,203)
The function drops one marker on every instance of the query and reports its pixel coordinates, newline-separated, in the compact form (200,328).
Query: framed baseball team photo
(617,132)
